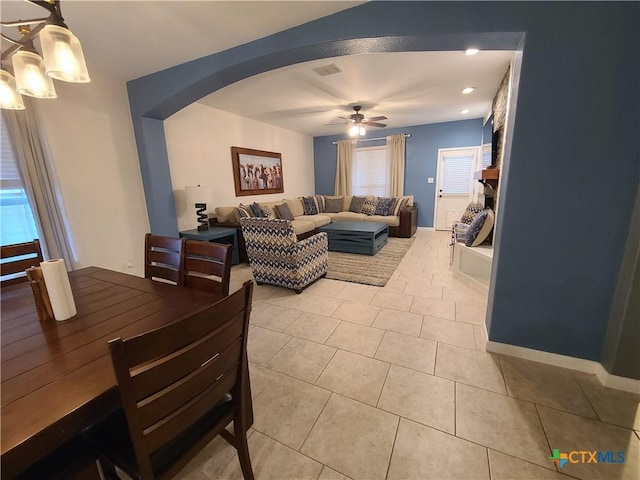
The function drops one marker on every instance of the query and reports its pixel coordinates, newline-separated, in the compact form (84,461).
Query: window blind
(370,172)
(486,155)
(456,175)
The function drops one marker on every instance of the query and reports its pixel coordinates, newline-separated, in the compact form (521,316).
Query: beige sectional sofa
(403,223)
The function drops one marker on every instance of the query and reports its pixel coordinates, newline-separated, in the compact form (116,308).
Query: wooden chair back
(207,266)
(163,258)
(21,262)
(172,377)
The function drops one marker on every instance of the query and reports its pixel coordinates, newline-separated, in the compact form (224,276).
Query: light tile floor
(361,382)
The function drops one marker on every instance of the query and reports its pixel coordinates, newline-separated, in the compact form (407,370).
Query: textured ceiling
(409,88)
(128,39)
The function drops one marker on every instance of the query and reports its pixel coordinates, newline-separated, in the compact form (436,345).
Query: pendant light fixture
(62,52)
(9,97)
(63,56)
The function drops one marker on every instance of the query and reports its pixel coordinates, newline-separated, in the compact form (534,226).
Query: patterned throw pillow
(385,206)
(356,204)
(369,207)
(267,212)
(477,232)
(472,209)
(333,205)
(401,203)
(310,206)
(320,203)
(256,210)
(243,211)
(284,212)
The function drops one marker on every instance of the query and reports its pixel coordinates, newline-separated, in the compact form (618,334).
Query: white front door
(454,189)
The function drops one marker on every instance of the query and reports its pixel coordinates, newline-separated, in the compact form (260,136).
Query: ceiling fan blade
(375,119)
(348,119)
(374,124)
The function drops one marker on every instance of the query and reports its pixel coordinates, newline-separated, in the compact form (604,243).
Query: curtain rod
(406,135)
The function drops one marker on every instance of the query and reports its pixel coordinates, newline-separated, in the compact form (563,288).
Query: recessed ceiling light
(471,51)
(468,90)
(464,110)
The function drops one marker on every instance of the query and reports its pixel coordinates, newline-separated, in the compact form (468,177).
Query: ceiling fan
(358,121)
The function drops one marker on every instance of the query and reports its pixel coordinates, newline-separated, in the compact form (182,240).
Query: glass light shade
(353,131)
(63,56)
(199,195)
(9,97)
(30,75)
(362,130)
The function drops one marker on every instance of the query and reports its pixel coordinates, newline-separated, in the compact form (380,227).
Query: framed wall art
(256,172)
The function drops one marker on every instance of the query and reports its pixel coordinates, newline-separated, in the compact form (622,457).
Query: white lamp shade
(63,55)
(30,75)
(9,97)
(198,194)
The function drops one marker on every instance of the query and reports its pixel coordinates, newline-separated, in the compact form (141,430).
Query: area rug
(369,270)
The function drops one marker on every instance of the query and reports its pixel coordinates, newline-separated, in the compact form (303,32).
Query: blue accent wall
(574,156)
(421,158)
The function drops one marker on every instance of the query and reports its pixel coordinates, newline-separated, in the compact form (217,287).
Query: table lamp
(199,197)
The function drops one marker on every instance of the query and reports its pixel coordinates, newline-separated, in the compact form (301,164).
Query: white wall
(91,139)
(199,140)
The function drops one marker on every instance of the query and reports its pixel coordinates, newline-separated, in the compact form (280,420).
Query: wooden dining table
(57,377)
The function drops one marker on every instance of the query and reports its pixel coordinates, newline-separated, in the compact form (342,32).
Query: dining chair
(207,266)
(180,386)
(163,258)
(23,256)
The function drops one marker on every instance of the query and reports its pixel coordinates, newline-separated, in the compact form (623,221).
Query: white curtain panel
(39,179)
(344,160)
(395,152)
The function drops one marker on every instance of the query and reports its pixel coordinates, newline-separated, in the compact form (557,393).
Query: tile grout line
(455,409)
(393,446)
(324,368)
(546,437)
(314,425)
(489,464)
(573,374)
(382,388)
(504,377)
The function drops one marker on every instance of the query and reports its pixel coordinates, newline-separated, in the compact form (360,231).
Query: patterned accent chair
(278,258)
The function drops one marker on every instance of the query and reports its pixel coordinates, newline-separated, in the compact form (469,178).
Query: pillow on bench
(480,228)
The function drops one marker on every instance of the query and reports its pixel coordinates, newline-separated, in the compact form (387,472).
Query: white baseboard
(564,361)
(425,229)
(614,381)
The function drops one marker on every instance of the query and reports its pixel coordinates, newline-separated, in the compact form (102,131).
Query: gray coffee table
(366,238)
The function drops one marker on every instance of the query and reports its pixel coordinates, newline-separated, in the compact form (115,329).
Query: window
(486,155)
(370,174)
(457,172)
(16,216)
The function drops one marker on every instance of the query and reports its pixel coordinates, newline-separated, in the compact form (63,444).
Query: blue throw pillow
(310,206)
(475,227)
(256,210)
(385,206)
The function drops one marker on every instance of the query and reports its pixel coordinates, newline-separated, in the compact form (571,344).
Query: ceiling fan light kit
(357,122)
(62,58)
